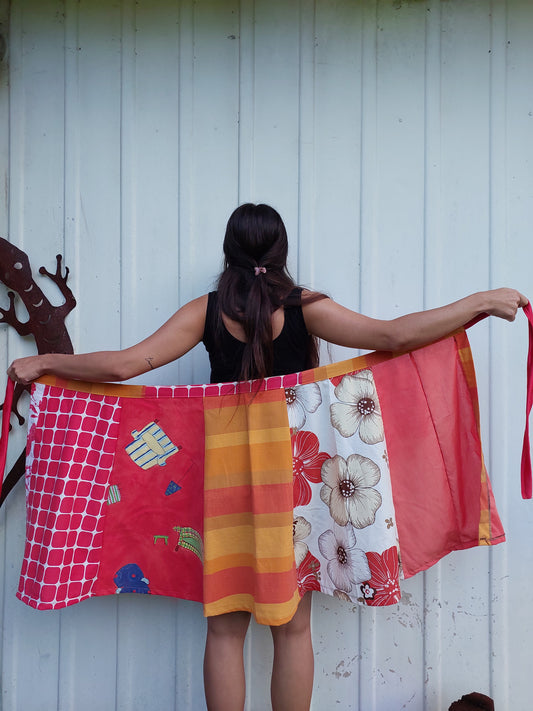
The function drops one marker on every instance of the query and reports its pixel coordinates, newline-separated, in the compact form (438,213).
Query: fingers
(519,300)
(20,374)
(12,375)
(507,302)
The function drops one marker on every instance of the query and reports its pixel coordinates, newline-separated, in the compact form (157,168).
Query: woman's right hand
(26,370)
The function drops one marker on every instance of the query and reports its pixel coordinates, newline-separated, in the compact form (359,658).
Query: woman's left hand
(504,303)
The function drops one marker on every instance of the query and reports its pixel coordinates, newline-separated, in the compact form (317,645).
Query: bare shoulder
(320,310)
(316,303)
(194,308)
(199,304)
(309,298)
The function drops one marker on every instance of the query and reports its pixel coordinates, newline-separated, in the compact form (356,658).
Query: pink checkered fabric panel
(71,448)
(273,382)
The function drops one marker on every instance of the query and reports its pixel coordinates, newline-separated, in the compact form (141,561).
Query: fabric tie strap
(6,412)
(525,467)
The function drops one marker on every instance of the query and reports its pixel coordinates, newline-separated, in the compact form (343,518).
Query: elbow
(117,375)
(120,367)
(397,339)
(124,372)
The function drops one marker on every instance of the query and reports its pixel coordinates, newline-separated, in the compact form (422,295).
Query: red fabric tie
(6,412)
(525,468)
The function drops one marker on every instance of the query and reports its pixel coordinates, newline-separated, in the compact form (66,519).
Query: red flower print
(306,465)
(308,574)
(383,588)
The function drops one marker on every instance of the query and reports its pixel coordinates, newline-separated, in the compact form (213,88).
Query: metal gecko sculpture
(46,322)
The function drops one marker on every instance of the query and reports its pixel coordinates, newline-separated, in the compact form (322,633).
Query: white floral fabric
(345,537)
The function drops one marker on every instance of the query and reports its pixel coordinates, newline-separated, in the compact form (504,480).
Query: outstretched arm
(337,324)
(177,336)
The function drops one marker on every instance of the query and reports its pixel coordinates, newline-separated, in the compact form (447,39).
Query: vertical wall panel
(503,441)
(458,592)
(330,188)
(91,63)
(394,136)
(511,257)
(393,264)
(4,231)
(36,219)
(149,145)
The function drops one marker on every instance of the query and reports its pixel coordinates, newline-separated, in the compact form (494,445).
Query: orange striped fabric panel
(248,507)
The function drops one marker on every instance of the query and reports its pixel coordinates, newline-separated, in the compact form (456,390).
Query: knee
(232,625)
(294,628)
(298,626)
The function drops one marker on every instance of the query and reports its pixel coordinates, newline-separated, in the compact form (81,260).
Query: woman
(259,323)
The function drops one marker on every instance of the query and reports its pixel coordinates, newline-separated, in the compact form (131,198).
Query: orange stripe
(264,614)
(235,499)
(467,363)
(246,436)
(111,389)
(272,588)
(263,520)
(278,564)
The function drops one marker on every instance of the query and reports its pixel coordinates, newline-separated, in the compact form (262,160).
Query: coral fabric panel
(434,448)
(154,514)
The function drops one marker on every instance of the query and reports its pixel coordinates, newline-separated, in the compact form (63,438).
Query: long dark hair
(256,238)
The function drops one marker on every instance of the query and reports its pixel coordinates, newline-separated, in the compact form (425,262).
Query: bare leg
(224,681)
(292,673)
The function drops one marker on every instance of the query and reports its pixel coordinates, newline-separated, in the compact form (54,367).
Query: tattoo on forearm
(149,361)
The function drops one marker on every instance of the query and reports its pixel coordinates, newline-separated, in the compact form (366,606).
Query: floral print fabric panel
(344,532)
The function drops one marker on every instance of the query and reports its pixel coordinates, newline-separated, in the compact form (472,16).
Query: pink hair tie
(259,270)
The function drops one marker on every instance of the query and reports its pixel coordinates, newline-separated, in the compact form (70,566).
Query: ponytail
(255,282)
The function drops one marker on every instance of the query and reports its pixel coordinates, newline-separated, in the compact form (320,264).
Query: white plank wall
(395,137)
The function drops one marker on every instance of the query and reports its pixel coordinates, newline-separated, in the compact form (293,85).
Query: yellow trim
(111,389)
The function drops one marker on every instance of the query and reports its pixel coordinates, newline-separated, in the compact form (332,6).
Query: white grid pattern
(71,446)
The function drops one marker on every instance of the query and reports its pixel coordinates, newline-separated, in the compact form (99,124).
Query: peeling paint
(406,598)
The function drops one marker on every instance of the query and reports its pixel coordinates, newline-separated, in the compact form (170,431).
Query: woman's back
(225,341)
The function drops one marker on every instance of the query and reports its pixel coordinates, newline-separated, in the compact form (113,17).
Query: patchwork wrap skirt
(243,496)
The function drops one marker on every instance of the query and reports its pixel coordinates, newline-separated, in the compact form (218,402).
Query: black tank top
(291,347)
